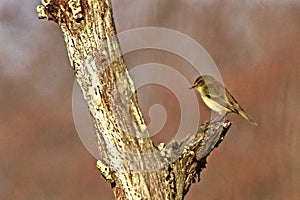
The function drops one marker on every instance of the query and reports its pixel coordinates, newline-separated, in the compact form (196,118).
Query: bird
(218,98)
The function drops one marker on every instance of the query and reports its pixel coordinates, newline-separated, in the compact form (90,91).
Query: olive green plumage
(218,98)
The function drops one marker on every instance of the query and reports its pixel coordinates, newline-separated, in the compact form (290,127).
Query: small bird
(217,97)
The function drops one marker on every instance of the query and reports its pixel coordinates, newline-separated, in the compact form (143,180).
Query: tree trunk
(135,167)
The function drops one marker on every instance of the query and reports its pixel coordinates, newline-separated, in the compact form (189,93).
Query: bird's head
(202,80)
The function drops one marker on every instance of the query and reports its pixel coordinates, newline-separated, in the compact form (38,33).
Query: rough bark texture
(123,141)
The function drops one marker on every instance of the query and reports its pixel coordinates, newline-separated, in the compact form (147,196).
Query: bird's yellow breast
(215,106)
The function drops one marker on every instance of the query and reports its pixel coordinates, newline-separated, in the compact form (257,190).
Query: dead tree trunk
(123,141)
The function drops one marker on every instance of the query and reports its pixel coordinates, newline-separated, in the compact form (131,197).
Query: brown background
(256,46)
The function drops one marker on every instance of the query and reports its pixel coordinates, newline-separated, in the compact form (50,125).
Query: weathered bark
(123,141)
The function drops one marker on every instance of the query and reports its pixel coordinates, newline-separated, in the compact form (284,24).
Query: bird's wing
(218,93)
(234,105)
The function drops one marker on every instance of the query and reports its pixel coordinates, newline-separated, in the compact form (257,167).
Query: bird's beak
(192,87)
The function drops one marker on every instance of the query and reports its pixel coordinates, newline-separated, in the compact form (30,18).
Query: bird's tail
(247,117)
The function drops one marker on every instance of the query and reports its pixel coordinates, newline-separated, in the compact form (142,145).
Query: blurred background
(256,46)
